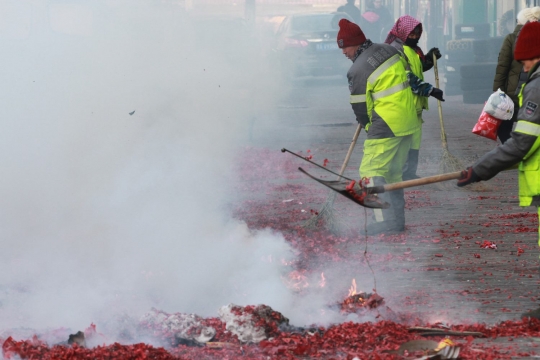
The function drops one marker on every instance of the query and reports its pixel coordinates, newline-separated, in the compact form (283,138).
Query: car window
(323,22)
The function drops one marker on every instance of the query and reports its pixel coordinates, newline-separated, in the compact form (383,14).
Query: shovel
(412,183)
(366,196)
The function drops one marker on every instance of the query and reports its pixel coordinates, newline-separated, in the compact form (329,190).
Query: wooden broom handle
(423,181)
(351,147)
(439,105)
(416,182)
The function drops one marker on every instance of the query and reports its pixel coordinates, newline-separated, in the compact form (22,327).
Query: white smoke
(104,212)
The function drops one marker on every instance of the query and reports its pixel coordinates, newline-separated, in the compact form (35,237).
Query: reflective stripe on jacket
(380,95)
(529,168)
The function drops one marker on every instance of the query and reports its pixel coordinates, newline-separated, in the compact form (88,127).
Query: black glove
(468,177)
(437,94)
(434,51)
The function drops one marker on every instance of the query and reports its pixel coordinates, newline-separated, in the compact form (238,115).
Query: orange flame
(352,290)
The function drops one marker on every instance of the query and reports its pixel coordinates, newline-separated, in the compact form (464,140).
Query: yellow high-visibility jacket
(416,68)
(380,94)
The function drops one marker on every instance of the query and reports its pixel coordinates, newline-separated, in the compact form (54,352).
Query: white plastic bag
(500,106)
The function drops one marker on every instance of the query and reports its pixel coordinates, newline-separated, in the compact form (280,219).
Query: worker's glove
(434,51)
(437,94)
(468,176)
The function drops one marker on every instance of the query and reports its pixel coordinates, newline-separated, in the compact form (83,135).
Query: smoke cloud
(104,212)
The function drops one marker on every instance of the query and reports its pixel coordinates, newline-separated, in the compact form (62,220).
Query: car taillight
(289,42)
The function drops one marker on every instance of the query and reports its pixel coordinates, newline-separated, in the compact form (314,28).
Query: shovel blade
(360,197)
(372,201)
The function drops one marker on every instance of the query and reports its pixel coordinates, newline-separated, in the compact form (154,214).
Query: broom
(327,214)
(449,163)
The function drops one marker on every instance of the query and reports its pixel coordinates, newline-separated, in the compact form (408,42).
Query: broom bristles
(450,163)
(327,217)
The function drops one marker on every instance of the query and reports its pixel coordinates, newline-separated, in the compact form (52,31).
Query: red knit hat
(349,34)
(528,42)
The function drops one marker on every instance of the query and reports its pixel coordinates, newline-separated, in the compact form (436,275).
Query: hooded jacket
(397,37)
(508,69)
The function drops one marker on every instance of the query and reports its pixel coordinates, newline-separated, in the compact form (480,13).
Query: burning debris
(184,329)
(252,324)
(360,301)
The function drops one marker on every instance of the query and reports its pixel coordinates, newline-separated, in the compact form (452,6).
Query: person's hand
(434,51)
(437,94)
(468,176)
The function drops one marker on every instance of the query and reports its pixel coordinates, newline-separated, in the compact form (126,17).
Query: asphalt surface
(438,266)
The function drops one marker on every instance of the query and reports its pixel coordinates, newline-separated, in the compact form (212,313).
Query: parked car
(306,45)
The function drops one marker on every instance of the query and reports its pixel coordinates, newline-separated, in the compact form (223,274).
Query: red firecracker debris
(319,250)
(361,302)
(363,340)
(488,245)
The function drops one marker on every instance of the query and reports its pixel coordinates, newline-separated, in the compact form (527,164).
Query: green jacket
(380,94)
(523,148)
(416,67)
(508,69)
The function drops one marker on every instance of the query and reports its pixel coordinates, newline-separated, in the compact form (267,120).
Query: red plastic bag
(487,126)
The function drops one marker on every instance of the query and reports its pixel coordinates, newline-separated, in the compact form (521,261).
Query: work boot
(385,220)
(397,199)
(410,167)
(532,314)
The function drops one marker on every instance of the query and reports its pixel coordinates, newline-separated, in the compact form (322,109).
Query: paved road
(437,268)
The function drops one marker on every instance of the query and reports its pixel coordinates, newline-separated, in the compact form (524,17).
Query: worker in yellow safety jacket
(523,148)
(404,36)
(383,103)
